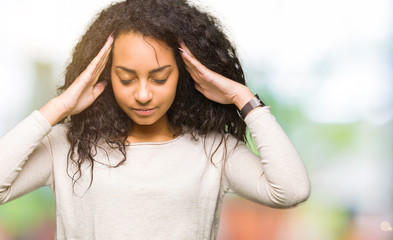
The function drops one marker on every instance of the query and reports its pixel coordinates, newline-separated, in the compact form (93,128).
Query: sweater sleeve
(278,177)
(25,159)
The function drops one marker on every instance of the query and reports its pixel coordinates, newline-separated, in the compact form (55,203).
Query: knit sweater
(164,190)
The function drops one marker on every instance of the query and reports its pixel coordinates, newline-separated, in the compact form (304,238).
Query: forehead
(140,52)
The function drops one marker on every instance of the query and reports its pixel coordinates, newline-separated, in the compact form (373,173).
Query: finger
(101,64)
(183,47)
(100,68)
(188,56)
(198,87)
(189,60)
(195,71)
(97,60)
(99,88)
(103,61)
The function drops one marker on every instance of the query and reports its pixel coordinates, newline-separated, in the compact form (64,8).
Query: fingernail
(109,41)
(110,38)
(183,51)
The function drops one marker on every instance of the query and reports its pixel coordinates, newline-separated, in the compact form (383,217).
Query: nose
(143,95)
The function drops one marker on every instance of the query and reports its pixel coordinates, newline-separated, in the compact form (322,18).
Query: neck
(159,131)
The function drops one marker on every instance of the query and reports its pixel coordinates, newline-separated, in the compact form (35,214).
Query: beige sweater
(165,190)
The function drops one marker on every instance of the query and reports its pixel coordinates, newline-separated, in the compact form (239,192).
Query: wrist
(253,104)
(53,111)
(243,97)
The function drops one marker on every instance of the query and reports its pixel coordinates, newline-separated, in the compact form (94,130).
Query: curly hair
(170,21)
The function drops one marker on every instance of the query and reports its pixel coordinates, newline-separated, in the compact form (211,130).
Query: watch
(252,104)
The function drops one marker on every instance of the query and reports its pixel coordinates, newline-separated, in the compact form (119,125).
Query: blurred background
(325,67)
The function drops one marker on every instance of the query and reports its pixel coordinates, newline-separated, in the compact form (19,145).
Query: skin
(144,79)
(143,92)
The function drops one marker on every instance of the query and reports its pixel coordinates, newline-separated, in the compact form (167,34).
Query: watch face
(259,100)
(256,102)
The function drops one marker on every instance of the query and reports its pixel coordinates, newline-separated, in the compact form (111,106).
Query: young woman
(144,138)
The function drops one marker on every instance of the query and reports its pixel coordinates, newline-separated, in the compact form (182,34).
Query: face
(144,78)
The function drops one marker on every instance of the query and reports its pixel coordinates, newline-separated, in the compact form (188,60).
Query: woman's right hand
(82,92)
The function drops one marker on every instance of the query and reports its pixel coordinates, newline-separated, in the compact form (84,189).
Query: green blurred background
(325,67)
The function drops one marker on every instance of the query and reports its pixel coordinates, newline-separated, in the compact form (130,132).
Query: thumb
(99,88)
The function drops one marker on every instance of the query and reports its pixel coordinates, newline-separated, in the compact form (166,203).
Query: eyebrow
(150,72)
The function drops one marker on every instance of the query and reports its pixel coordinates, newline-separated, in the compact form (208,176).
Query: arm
(17,175)
(278,178)
(25,151)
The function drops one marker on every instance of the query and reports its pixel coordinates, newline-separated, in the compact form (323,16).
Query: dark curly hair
(170,21)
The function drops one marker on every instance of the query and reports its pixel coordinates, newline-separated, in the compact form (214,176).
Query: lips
(144,111)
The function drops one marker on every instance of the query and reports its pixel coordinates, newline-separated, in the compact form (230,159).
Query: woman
(144,138)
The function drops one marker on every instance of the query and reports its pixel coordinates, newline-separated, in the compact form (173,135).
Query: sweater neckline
(156,143)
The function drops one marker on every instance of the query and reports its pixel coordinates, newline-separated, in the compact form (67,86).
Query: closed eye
(160,81)
(126,82)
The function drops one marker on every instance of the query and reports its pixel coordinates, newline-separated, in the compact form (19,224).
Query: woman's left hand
(213,85)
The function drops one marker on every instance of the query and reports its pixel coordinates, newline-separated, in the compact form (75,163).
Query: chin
(155,118)
(143,122)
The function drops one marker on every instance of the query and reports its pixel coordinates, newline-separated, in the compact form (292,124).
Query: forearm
(16,147)
(277,177)
(286,179)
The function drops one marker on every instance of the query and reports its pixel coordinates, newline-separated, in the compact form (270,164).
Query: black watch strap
(253,103)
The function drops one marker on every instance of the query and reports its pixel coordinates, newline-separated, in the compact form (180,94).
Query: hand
(213,85)
(82,92)
(85,89)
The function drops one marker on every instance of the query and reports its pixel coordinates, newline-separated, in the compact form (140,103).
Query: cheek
(119,94)
(174,84)
(166,95)
(171,91)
